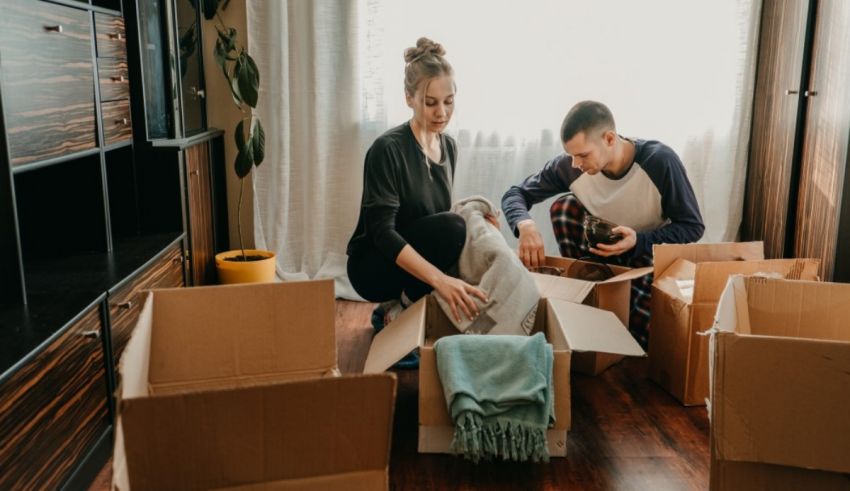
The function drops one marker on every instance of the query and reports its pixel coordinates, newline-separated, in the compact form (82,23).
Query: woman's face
(433,103)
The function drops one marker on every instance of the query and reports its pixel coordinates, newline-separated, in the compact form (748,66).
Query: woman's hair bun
(424,47)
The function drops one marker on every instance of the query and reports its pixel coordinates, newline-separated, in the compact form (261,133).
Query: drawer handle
(120,78)
(126,305)
(92,334)
(56,28)
(177,260)
(122,121)
(194,172)
(116,35)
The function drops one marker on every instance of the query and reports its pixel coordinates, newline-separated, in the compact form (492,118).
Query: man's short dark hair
(586,116)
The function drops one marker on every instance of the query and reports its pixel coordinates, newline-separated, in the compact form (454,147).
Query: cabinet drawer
(109,35)
(125,303)
(117,126)
(114,79)
(48,97)
(53,409)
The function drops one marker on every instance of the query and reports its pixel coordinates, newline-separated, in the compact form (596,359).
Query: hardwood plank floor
(626,433)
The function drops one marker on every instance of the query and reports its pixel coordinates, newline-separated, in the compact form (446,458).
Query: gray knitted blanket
(490,264)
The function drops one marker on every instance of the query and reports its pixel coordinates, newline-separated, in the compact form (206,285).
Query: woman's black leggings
(439,238)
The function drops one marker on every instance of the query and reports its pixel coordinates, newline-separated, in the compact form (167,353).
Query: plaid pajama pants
(567,214)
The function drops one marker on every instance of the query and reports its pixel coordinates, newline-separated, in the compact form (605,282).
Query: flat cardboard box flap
(663,255)
(226,336)
(570,289)
(781,373)
(398,338)
(711,277)
(234,438)
(591,329)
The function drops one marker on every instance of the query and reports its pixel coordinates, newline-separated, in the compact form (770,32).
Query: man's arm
(679,205)
(555,177)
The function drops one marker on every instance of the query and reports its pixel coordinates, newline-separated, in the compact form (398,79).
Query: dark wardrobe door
(826,138)
(775,107)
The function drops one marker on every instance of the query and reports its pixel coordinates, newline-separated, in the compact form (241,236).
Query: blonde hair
(424,62)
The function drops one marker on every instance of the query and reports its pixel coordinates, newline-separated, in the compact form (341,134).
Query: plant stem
(239,218)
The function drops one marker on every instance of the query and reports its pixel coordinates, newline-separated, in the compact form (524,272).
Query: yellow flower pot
(256,270)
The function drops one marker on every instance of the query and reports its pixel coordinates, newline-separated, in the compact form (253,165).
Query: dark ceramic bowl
(599,231)
(550,270)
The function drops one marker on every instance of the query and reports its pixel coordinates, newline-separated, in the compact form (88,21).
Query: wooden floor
(626,433)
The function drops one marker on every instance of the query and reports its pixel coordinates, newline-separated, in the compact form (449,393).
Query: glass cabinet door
(154,54)
(190,66)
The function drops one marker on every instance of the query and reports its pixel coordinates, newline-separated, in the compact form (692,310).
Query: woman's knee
(453,226)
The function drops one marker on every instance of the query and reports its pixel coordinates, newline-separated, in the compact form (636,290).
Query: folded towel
(490,264)
(500,394)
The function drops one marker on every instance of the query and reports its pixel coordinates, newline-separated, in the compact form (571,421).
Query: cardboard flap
(228,438)
(800,309)
(711,277)
(629,275)
(559,287)
(782,401)
(591,329)
(135,360)
(669,281)
(227,332)
(397,339)
(663,255)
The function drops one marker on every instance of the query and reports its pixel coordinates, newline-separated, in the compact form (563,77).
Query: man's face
(590,153)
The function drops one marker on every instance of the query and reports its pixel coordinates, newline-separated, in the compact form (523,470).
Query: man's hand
(531,251)
(625,244)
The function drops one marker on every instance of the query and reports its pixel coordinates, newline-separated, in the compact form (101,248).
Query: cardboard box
(613,295)
(236,387)
(780,392)
(678,355)
(569,327)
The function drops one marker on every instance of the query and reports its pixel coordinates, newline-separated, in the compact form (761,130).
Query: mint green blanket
(500,394)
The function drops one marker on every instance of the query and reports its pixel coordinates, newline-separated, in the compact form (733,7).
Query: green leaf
(239,135)
(227,37)
(249,79)
(245,158)
(234,81)
(244,161)
(258,141)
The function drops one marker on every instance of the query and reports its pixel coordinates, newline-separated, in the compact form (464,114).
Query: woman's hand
(458,294)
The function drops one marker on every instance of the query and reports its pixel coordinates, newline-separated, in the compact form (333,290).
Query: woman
(406,241)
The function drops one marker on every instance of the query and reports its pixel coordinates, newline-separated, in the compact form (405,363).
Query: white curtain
(677,71)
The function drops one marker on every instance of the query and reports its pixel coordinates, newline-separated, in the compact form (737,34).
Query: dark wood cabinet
(125,301)
(823,196)
(47,80)
(200,202)
(798,199)
(92,214)
(54,407)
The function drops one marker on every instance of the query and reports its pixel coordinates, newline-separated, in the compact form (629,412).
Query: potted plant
(243,78)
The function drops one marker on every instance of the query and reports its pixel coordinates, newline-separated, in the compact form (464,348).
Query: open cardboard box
(569,327)
(780,392)
(613,295)
(237,387)
(678,356)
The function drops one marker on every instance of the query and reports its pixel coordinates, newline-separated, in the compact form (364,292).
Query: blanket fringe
(478,439)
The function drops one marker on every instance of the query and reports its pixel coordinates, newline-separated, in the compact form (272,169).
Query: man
(641,185)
